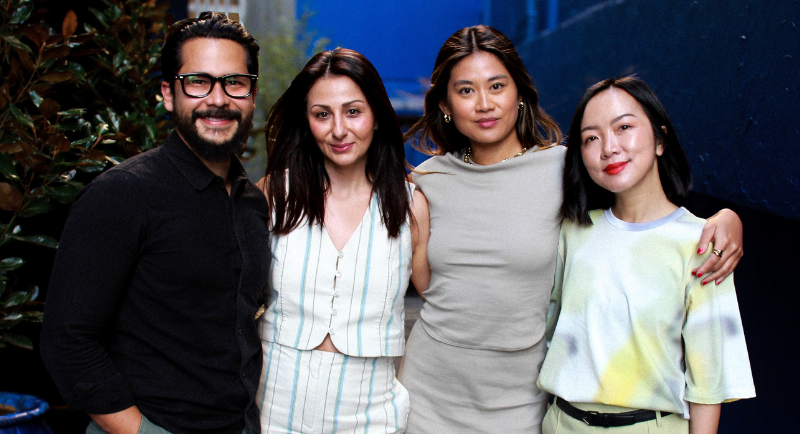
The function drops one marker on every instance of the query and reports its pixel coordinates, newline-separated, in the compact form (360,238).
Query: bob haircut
(207,25)
(534,126)
(294,154)
(581,194)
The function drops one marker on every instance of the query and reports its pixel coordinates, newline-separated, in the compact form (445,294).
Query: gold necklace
(468,155)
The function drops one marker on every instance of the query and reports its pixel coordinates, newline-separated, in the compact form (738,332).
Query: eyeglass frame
(214,80)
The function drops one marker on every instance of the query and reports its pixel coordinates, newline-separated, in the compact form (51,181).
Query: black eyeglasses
(200,85)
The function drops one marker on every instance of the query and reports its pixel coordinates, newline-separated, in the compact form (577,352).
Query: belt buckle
(587,415)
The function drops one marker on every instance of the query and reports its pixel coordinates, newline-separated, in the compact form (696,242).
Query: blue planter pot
(28,418)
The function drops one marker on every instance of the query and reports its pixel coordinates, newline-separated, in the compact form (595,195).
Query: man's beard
(208,150)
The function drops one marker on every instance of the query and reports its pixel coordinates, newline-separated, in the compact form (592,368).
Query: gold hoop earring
(447,118)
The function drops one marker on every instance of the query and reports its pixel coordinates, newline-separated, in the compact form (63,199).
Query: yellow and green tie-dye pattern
(625,306)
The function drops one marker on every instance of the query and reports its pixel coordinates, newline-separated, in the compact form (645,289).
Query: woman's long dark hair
(581,193)
(534,126)
(293,152)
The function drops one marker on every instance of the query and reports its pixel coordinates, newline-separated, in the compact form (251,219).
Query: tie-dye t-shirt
(634,327)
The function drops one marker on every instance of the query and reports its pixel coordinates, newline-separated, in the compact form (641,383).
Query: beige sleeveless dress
(473,357)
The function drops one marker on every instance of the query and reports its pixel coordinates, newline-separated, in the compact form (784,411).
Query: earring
(447,118)
(521,105)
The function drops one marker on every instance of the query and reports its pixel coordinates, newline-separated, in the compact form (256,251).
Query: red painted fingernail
(701,250)
(694,273)
(705,281)
(718,281)
(699,275)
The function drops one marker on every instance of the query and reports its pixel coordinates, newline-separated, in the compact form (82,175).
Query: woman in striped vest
(345,224)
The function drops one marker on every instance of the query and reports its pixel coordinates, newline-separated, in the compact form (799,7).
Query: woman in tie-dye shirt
(639,344)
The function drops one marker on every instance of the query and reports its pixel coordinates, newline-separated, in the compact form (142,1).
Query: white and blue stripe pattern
(355,295)
(317,392)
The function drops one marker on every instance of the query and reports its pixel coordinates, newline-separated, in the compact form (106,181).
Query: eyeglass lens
(200,85)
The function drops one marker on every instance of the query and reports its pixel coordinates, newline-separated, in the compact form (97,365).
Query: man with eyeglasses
(150,318)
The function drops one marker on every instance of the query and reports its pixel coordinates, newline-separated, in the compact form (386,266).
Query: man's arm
(122,422)
(96,257)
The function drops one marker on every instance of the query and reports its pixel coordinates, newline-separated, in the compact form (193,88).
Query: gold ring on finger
(718,252)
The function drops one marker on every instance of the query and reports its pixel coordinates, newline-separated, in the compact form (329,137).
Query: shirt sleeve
(96,258)
(554,310)
(715,351)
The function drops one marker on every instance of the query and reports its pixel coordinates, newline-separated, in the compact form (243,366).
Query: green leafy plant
(71,106)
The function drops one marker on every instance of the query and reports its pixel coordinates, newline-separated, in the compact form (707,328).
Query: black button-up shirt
(154,291)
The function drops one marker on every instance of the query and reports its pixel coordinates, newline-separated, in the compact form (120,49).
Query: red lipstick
(615,168)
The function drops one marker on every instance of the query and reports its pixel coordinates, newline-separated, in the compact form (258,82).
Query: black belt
(593,418)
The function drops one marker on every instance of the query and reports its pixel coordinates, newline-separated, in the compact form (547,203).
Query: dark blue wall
(727,71)
(400,38)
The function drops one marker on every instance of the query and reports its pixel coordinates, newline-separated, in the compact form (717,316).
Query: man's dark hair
(207,25)
(581,193)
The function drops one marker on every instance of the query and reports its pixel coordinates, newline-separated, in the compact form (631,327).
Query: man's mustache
(217,114)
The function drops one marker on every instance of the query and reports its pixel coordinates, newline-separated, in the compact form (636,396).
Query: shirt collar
(195,171)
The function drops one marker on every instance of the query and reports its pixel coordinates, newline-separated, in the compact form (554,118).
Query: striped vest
(355,295)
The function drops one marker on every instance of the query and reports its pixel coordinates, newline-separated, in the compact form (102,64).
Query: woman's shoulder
(554,151)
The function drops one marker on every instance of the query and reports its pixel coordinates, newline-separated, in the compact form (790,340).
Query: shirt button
(331,332)
(333,312)
(340,253)
(338,274)
(336,294)
(240,331)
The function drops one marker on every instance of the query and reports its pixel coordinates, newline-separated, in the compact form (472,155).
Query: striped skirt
(310,391)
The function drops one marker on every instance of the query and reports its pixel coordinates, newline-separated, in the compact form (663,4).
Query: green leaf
(32,316)
(23,12)
(78,70)
(114,12)
(100,17)
(7,168)
(16,43)
(15,299)
(119,59)
(72,112)
(39,240)
(17,340)
(37,100)
(11,263)
(21,117)
(71,124)
(15,317)
(150,125)
(37,206)
(64,193)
